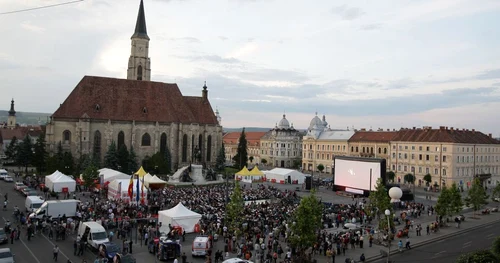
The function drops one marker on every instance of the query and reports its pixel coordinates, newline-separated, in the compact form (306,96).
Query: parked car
(19,186)
(108,250)
(8,179)
(26,190)
(6,256)
(3,236)
(125,258)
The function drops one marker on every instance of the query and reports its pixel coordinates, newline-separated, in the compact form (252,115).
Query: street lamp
(395,193)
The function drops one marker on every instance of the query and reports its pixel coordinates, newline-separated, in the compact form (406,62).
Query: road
(448,250)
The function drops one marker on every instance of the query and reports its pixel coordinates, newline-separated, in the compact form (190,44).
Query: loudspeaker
(308,182)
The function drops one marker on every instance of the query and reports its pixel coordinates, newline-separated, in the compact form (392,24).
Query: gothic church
(137,112)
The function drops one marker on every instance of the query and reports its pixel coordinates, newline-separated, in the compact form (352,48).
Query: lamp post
(395,193)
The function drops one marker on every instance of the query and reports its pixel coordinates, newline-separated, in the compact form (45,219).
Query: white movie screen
(356,174)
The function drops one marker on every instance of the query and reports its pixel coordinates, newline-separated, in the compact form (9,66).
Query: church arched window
(209,148)
(139,72)
(97,145)
(163,143)
(184,147)
(200,144)
(66,137)
(146,140)
(121,139)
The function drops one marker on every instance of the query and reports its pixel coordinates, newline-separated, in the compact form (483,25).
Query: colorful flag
(137,190)
(130,188)
(142,190)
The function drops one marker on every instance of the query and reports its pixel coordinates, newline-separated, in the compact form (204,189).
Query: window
(444,171)
(357,150)
(200,146)
(121,139)
(413,147)
(97,145)
(400,147)
(399,155)
(413,156)
(436,171)
(385,150)
(419,169)
(444,149)
(420,157)
(436,158)
(427,157)
(184,147)
(163,143)
(352,148)
(209,148)
(399,167)
(146,140)
(458,159)
(379,150)
(393,155)
(393,167)
(363,149)
(394,148)
(371,150)
(66,137)
(405,168)
(406,156)
(427,148)
(419,148)
(139,72)
(406,147)
(427,170)
(444,158)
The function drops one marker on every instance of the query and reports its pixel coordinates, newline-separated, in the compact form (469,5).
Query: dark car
(124,258)
(26,190)
(108,250)
(3,236)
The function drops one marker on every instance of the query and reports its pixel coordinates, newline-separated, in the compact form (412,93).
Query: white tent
(118,189)
(282,175)
(59,182)
(154,180)
(147,177)
(178,216)
(108,175)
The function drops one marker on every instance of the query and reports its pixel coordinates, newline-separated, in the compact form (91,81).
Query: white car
(6,255)
(236,260)
(8,179)
(19,186)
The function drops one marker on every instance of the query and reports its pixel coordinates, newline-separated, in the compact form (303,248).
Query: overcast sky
(367,63)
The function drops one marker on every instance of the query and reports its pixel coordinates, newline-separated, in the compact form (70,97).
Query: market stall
(178,216)
(60,183)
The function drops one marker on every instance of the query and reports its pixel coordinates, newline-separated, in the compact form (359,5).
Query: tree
(111,157)
(297,163)
(40,156)
(221,159)
(60,157)
(25,152)
(481,256)
(52,164)
(496,192)
(11,151)
(390,176)
(235,209)
(250,159)
(168,160)
(132,160)
(263,161)
(379,202)
(241,157)
(68,163)
(320,168)
(122,159)
(428,178)
(158,163)
(89,175)
(409,178)
(495,247)
(456,202)
(443,205)
(476,196)
(306,222)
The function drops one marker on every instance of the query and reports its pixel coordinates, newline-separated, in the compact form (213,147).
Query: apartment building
(282,145)
(374,144)
(231,140)
(449,155)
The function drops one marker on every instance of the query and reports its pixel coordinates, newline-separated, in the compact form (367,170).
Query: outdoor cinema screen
(354,172)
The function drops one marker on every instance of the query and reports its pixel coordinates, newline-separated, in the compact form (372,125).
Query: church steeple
(11,121)
(12,112)
(139,64)
(140,25)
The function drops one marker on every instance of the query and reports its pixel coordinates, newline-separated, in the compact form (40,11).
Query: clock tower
(139,64)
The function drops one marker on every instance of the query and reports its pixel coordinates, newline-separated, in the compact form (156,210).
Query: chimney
(414,128)
(204,93)
(442,127)
(473,130)
(490,135)
(362,129)
(388,129)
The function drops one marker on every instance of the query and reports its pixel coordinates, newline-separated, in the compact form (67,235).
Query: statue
(210,175)
(185,176)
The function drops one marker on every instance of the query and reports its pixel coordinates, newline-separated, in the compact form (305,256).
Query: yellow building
(231,140)
(374,144)
(448,155)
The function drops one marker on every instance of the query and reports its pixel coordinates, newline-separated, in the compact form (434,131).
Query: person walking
(408,243)
(55,251)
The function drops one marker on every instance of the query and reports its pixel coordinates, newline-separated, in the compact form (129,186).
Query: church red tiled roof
(128,100)
(253,138)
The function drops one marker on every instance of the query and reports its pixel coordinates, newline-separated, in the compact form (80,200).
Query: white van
(3,174)
(32,203)
(200,246)
(94,234)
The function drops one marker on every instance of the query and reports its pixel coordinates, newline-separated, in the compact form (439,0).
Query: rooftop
(445,135)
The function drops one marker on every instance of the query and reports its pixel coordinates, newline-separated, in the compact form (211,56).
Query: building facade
(282,145)
(372,144)
(135,112)
(449,155)
(231,140)
(321,144)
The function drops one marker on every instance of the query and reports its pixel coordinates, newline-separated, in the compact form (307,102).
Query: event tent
(155,182)
(178,216)
(141,172)
(282,175)
(108,175)
(59,182)
(118,189)
(255,175)
(243,171)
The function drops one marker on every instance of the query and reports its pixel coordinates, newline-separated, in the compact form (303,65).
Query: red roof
(443,134)
(129,100)
(372,136)
(20,132)
(253,138)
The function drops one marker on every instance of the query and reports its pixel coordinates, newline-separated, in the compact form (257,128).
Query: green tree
(306,222)
(68,164)
(496,192)
(221,159)
(409,178)
(379,202)
(40,156)
(320,168)
(456,202)
(443,205)
(241,157)
(11,151)
(25,153)
(390,176)
(263,161)
(122,159)
(297,163)
(495,247)
(481,256)
(428,178)
(250,159)
(158,163)
(476,196)
(132,161)
(235,209)
(168,160)
(111,157)
(60,157)
(52,164)
(89,175)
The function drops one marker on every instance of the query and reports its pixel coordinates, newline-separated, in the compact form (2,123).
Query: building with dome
(282,145)
(321,144)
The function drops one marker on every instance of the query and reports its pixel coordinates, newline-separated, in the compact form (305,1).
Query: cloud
(223,38)
(370,27)
(214,59)
(347,13)
(186,39)
(6,64)
(271,75)
(490,74)
(496,84)
(27,25)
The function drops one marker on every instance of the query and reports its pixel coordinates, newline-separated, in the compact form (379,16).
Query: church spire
(12,112)
(140,26)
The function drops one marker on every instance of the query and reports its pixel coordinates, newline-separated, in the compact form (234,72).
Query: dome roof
(284,124)
(316,121)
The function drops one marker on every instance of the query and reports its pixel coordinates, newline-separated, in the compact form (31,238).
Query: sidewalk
(374,253)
